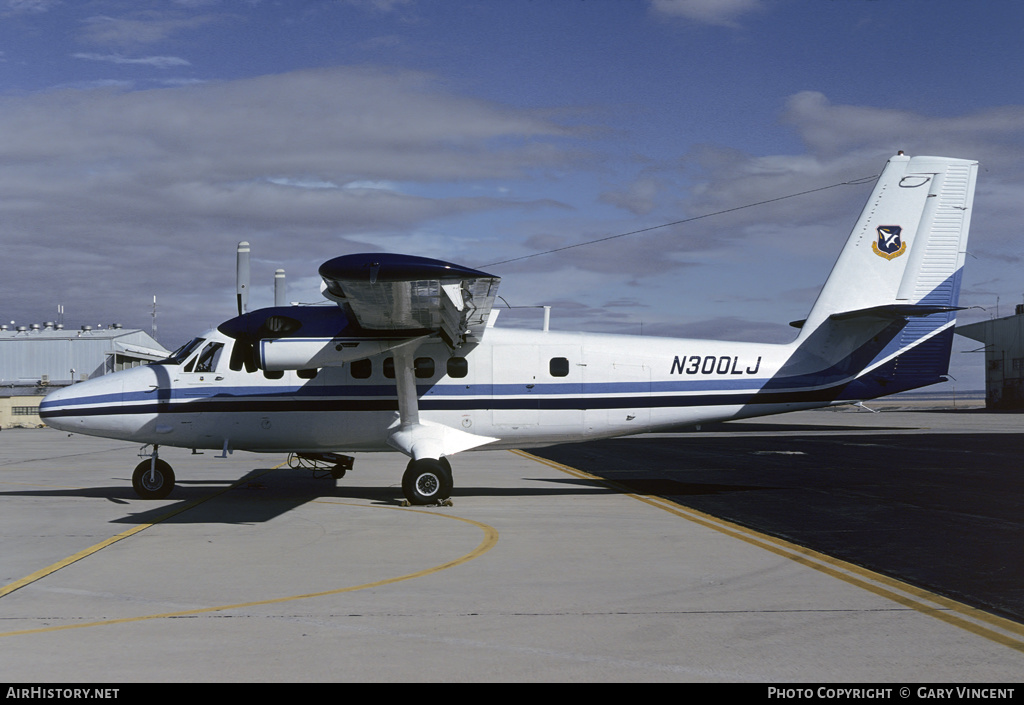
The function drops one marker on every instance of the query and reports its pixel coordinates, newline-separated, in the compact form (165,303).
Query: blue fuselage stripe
(291,403)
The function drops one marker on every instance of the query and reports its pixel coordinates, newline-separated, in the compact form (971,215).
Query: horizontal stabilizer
(888,312)
(895,311)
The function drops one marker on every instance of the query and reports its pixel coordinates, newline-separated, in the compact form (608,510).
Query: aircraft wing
(420,296)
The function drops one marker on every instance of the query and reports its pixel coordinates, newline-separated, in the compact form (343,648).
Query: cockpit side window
(208,359)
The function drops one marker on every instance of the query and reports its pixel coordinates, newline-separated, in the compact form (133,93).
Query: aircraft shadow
(259,496)
(938,510)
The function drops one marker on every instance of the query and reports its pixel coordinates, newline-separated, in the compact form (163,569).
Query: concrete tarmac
(539,571)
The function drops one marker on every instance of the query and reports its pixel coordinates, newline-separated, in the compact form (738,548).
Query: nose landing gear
(153,478)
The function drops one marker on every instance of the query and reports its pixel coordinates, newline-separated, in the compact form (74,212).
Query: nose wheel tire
(427,481)
(155,485)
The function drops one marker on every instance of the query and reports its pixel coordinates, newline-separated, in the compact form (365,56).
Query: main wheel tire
(449,483)
(427,481)
(156,487)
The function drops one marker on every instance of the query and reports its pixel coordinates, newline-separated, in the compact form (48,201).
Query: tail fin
(886,312)
(907,248)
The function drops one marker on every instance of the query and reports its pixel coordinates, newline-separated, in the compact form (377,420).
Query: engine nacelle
(276,354)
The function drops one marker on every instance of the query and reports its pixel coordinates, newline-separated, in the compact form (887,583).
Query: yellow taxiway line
(997,629)
(488,542)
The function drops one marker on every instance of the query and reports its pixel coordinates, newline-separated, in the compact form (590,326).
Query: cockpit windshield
(181,354)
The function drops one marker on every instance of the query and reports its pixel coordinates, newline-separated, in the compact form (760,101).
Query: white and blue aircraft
(410,360)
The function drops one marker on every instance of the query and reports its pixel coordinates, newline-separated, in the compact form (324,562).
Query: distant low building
(1004,358)
(35,359)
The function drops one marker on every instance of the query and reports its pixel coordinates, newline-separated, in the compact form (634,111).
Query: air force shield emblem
(889,243)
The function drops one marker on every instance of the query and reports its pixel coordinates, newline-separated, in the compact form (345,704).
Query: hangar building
(35,359)
(1003,339)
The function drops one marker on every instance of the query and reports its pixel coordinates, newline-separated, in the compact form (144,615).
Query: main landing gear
(153,478)
(427,481)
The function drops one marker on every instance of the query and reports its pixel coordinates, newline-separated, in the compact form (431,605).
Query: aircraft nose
(76,407)
(54,408)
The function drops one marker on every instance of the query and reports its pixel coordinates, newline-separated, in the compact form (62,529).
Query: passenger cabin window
(457,367)
(361,369)
(423,367)
(559,367)
(308,374)
(273,374)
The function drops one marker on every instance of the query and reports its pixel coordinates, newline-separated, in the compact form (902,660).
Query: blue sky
(140,140)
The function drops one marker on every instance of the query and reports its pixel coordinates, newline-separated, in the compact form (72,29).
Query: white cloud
(30,6)
(714,12)
(379,185)
(160,62)
(383,6)
(639,198)
(829,130)
(153,188)
(107,31)
(302,183)
(782,249)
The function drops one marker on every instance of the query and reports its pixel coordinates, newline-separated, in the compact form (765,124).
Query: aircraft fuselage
(526,388)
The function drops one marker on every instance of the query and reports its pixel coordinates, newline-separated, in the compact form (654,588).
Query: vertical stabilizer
(883,322)
(906,252)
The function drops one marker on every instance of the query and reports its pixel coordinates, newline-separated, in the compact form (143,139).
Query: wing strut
(419,438)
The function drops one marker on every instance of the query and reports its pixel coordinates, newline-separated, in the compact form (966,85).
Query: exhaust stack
(242,278)
(280,295)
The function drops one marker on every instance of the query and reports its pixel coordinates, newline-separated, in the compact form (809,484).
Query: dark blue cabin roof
(389,267)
